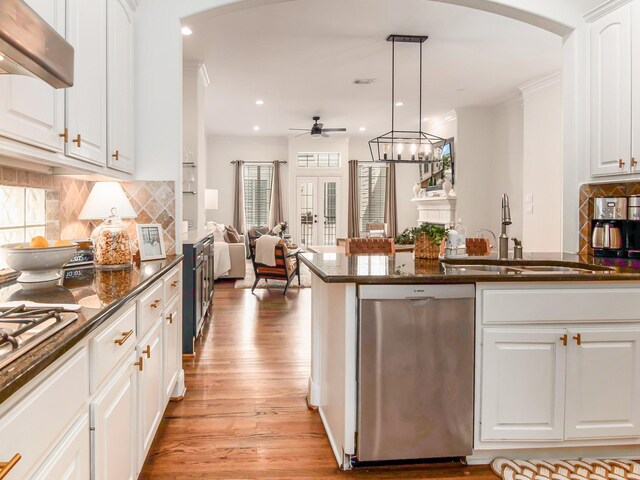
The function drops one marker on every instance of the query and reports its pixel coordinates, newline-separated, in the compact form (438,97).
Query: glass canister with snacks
(112,244)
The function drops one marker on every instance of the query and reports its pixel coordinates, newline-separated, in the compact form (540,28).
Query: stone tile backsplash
(154,201)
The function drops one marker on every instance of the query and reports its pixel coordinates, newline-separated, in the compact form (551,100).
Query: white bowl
(37,264)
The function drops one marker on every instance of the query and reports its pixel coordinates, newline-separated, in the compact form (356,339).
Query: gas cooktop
(22,328)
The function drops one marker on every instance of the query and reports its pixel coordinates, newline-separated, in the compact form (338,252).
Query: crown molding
(604,9)
(540,84)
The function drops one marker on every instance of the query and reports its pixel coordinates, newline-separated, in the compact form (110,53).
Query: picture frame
(150,241)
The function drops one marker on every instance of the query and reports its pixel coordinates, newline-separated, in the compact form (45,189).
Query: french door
(318,216)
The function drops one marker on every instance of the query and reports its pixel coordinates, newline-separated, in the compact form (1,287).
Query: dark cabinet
(198,290)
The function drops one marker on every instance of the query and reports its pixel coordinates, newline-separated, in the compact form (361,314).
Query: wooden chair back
(370,246)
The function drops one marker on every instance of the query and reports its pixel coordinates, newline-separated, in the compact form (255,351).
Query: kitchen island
(556,360)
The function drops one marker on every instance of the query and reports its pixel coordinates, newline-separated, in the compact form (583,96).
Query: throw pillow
(231,235)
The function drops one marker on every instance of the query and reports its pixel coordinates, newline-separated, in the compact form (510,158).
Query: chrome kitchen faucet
(506,220)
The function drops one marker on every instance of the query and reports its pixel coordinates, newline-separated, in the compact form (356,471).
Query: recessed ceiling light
(259,102)
(362,129)
(399,104)
(186,31)
(256,128)
(1,58)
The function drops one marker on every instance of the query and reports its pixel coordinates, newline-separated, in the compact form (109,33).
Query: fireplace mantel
(436,209)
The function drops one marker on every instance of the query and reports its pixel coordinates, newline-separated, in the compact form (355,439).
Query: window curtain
(238,198)
(276,212)
(390,202)
(353,214)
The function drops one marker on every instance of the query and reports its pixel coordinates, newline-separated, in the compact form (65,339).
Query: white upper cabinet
(610,92)
(31,111)
(87,100)
(604,361)
(120,85)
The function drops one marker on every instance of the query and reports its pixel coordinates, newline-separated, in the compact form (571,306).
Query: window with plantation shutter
(372,186)
(257,193)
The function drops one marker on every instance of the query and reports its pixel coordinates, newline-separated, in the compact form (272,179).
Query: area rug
(581,469)
(247,281)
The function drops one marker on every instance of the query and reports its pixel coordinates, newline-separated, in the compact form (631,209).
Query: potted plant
(426,238)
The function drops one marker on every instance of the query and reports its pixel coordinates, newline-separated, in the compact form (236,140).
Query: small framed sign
(150,241)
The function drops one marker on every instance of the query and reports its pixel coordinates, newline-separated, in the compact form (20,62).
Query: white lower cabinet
(103,432)
(523,384)
(172,342)
(565,377)
(113,421)
(603,383)
(71,459)
(150,389)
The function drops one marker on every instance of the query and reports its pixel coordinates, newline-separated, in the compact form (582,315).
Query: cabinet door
(87,99)
(603,383)
(31,111)
(72,457)
(114,424)
(120,85)
(172,344)
(523,381)
(150,389)
(610,92)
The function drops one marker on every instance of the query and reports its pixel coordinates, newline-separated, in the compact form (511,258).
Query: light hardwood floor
(244,415)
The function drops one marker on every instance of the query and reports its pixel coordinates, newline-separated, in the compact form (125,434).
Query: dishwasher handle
(416,292)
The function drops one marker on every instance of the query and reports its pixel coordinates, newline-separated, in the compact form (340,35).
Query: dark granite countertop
(100,293)
(336,267)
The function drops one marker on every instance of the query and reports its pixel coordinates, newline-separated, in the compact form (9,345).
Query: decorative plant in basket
(426,238)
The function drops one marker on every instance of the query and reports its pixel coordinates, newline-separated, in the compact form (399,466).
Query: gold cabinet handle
(170,318)
(6,467)
(147,351)
(125,335)
(578,339)
(65,135)
(78,140)
(620,163)
(139,363)
(564,339)
(116,155)
(634,162)
(155,304)
(175,283)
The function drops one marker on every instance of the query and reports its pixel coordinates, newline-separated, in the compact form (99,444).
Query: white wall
(488,162)
(542,165)
(220,173)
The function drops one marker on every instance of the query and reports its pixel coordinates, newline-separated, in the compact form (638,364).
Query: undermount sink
(511,267)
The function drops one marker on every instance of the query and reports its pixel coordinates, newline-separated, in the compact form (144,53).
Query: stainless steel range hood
(30,46)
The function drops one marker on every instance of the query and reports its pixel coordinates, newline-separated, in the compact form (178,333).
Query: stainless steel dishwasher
(415,372)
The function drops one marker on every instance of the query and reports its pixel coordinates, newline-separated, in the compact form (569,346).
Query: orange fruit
(39,242)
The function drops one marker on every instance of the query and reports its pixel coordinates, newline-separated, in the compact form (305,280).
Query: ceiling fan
(318,130)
